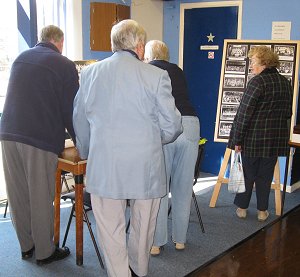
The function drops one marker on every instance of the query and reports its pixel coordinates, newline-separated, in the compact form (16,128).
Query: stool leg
(128,225)
(169,210)
(68,226)
(93,237)
(198,212)
(5,211)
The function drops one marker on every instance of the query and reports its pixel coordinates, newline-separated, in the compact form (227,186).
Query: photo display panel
(236,74)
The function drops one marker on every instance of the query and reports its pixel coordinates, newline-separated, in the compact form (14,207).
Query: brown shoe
(58,254)
(262,215)
(155,251)
(241,213)
(179,246)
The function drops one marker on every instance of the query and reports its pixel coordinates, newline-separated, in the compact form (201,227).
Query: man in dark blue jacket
(37,110)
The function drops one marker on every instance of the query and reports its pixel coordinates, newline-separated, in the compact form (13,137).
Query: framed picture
(235,67)
(234,81)
(228,112)
(236,73)
(237,51)
(232,97)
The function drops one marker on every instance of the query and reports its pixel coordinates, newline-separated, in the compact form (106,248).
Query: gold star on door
(210,37)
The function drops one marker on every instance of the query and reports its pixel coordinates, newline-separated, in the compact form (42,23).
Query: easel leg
(221,179)
(276,187)
(286,172)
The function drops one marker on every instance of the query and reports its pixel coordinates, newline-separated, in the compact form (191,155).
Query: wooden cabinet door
(123,12)
(102,18)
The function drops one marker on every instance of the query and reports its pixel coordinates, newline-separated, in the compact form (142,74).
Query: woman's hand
(238,148)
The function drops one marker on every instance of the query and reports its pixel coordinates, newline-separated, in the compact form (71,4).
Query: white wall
(149,13)
(74,29)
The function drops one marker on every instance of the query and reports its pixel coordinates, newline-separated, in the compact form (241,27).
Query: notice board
(236,73)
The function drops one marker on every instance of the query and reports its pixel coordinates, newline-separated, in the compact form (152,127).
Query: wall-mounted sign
(281,30)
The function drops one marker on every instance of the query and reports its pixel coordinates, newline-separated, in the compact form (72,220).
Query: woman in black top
(180,155)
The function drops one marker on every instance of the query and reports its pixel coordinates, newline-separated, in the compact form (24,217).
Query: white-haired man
(124,111)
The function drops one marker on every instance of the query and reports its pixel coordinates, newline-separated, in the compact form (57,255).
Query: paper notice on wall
(281,30)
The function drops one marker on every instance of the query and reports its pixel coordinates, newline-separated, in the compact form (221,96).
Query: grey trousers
(111,230)
(30,185)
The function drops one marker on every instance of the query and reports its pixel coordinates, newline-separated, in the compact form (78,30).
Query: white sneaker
(241,213)
(262,215)
(155,250)
(179,246)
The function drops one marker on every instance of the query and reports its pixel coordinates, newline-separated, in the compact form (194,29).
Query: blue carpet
(222,231)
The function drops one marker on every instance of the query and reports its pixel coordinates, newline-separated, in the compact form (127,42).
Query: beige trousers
(119,253)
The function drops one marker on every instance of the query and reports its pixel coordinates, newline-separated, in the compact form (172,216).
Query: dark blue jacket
(39,100)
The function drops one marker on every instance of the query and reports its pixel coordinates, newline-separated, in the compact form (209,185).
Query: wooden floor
(271,252)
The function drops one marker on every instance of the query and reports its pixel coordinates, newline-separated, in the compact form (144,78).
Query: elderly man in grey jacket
(123,113)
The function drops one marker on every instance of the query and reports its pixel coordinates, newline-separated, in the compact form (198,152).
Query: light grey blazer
(123,112)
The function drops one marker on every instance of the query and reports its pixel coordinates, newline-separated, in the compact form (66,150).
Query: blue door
(206,28)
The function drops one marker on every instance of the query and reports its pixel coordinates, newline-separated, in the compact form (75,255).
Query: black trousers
(259,171)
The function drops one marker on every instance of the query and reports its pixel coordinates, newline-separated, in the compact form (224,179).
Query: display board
(236,73)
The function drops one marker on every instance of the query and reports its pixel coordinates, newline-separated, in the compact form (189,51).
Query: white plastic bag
(236,183)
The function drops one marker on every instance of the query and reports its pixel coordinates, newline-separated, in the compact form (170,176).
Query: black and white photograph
(285,52)
(224,128)
(235,67)
(286,68)
(238,52)
(232,97)
(234,81)
(228,112)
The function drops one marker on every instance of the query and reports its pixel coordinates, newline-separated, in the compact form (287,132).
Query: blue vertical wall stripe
(23,23)
(27,27)
(33,23)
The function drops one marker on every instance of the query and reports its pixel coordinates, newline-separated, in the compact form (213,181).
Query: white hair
(156,50)
(127,34)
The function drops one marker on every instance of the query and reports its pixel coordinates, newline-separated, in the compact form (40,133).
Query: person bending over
(37,110)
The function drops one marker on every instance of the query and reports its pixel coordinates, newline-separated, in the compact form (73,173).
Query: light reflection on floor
(205,181)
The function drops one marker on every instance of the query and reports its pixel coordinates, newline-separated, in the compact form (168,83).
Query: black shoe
(58,254)
(28,254)
(133,273)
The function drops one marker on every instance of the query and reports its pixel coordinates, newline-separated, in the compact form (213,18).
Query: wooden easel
(222,180)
